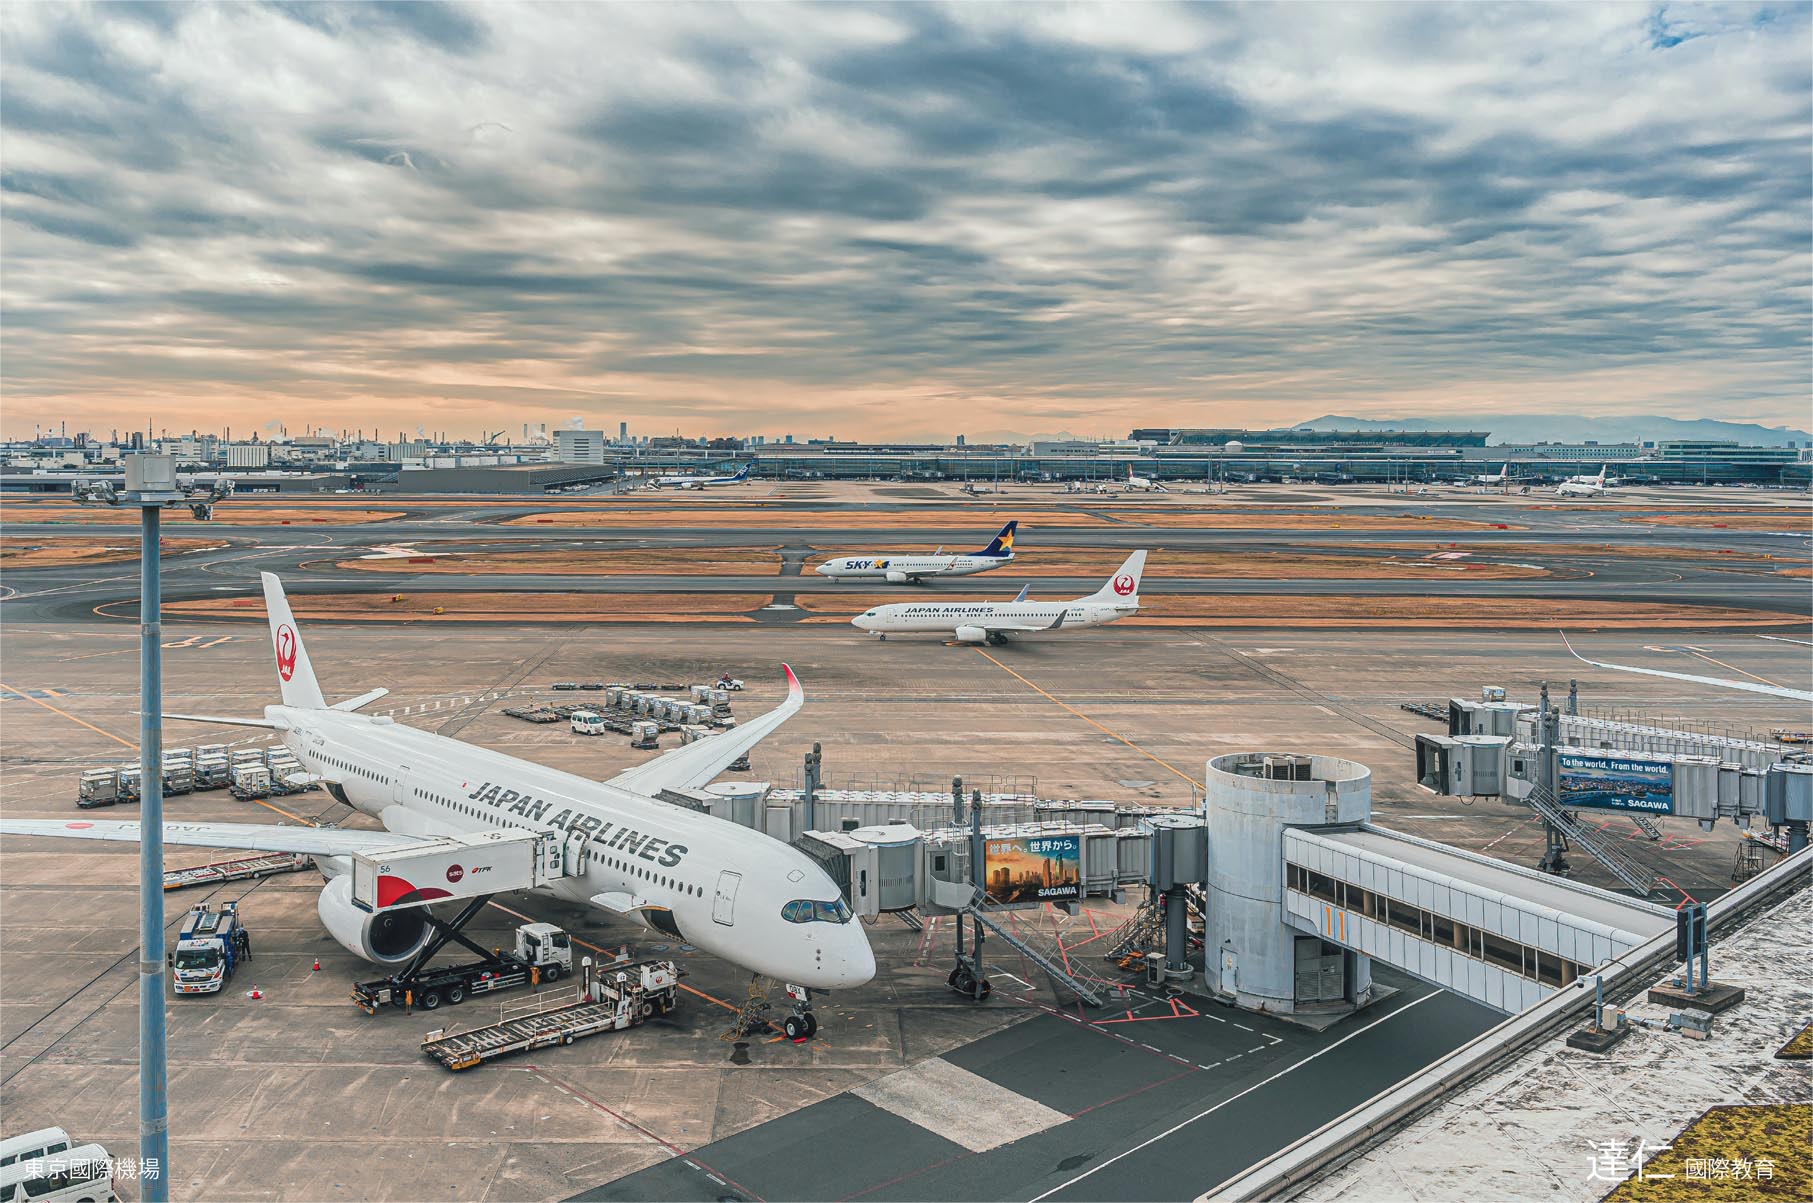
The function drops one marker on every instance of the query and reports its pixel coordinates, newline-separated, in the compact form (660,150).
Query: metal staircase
(1646,825)
(1618,862)
(1143,931)
(1057,972)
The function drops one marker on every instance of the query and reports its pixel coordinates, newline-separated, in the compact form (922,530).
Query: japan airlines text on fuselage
(666,857)
(901,570)
(993,622)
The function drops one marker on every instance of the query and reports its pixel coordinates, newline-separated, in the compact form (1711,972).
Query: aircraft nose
(823,570)
(859,961)
(863,622)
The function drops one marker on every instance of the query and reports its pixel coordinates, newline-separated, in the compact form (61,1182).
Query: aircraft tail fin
(295,675)
(1003,543)
(1123,586)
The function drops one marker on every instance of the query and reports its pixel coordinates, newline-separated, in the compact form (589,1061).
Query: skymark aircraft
(700,482)
(908,570)
(1583,486)
(733,892)
(993,622)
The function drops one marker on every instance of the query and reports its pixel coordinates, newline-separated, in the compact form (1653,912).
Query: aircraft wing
(1002,624)
(698,763)
(1777,691)
(253,837)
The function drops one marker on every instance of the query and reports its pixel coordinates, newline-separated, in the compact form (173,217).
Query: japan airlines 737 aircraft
(701,482)
(733,892)
(993,622)
(906,570)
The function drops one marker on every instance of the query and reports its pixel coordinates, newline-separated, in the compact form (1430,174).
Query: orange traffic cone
(317,964)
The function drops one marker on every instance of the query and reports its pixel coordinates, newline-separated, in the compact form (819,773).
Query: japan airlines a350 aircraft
(993,622)
(906,570)
(736,893)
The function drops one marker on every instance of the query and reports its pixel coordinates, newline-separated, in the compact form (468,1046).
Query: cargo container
(455,866)
(99,787)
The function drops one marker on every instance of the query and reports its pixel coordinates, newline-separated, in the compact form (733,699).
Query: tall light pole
(151,485)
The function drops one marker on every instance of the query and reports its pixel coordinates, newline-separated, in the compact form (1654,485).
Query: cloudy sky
(902,221)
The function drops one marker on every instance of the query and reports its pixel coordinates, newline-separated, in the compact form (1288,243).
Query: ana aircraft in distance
(1142,484)
(907,570)
(736,893)
(700,482)
(1583,486)
(993,622)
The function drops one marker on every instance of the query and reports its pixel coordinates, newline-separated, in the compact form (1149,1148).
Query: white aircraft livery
(736,893)
(1583,486)
(1142,484)
(701,482)
(906,570)
(993,622)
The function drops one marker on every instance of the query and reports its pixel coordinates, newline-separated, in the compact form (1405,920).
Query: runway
(1603,556)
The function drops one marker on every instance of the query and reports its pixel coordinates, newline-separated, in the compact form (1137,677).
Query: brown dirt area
(1278,610)
(1689,1172)
(1333,519)
(16,552)
(789,518)
(700,561)
(491,607)
(1797,521)
(1631,550)
(232,513)
(1259,565)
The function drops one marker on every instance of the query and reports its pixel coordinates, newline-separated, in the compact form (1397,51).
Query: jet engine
(968,634)
(385,938)
(898,578)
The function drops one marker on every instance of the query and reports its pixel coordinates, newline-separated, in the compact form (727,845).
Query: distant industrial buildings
(575,457)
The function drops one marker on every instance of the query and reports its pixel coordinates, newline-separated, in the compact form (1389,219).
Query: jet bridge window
(805,910)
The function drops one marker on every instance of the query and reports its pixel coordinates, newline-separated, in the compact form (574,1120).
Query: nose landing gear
(802,1024)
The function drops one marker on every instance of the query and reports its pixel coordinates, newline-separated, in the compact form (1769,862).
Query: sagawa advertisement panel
(1034,868)
(1616,783)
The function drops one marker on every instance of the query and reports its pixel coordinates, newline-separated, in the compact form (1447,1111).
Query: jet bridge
(1502,935)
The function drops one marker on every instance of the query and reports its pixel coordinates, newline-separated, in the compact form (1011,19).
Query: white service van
(586,722)
(41,1143)
(80,1175)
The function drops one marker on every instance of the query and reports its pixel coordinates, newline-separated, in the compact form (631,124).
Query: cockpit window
(806,910)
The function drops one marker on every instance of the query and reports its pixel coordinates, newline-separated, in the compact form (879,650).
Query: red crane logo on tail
(286,651)
(1123,585)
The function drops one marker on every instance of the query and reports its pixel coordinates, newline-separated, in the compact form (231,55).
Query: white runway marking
(960,1106)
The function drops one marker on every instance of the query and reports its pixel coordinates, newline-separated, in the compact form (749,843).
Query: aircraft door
(723,906)
(399,783)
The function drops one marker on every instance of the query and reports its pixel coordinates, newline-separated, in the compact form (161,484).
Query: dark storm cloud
(1136,212)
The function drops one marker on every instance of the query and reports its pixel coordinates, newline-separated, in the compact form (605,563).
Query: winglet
(795,691)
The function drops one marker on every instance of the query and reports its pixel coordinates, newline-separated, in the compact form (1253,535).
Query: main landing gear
(802,1024)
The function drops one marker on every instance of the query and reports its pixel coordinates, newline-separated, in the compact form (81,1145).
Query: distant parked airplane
(700,482)
(1583,486)
(1142,484)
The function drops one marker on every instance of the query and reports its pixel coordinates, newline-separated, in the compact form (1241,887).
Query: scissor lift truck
(544,954)
(621,994)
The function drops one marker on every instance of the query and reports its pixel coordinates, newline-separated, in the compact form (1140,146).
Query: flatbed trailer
(237,870)
(621,994)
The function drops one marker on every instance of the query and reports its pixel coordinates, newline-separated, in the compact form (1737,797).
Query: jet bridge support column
(1554,854)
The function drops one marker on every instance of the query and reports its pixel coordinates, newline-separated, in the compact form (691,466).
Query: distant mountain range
(1562,428)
